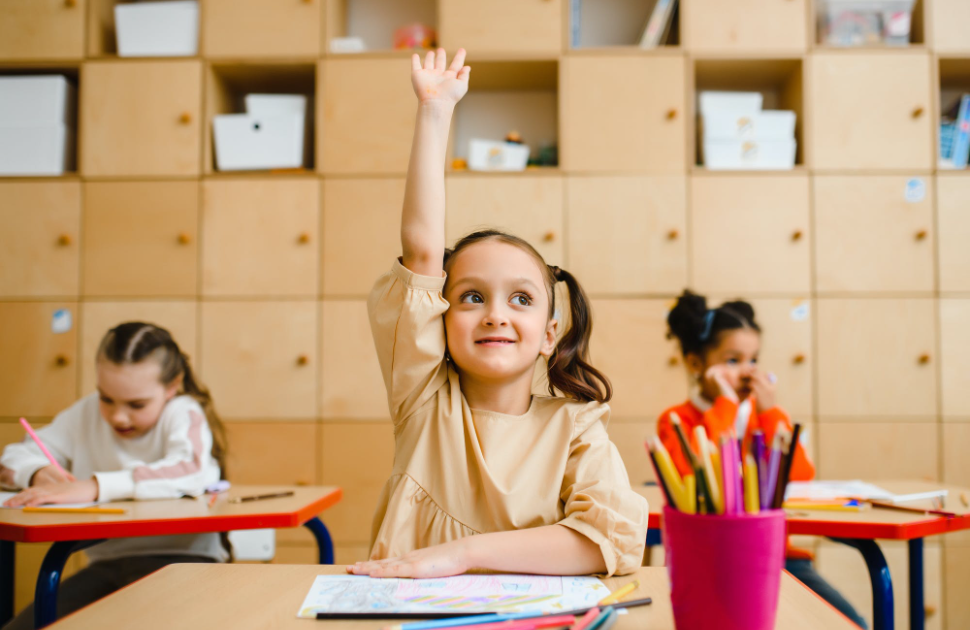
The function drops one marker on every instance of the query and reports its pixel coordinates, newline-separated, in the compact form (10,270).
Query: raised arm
(423,218)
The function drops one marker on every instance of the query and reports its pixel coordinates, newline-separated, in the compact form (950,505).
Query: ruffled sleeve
(599,502)
(405,316)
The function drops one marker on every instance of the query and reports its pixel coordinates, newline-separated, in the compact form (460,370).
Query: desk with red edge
(73,532)
(860,530)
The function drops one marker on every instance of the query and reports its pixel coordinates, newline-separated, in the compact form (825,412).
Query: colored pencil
(758,446)
(451,619)
(260,497)
(43,449)
(587,619)
(774,463)
(785,472)
(64,510)
(710,478)
(674,482)
(619,593)
(728,473)
(660,478)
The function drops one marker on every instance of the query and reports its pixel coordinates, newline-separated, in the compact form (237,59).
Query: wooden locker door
(891,92)
(623,114)
(38,343)
(260,237)
(630,346)
(954,232)
(262,28)
(887,448)
(530,207)
(955,361)
(357,456)
(750,234)
(259,359)
(786,351)
(32,30)
(366,116)
(872,235)
(40,225)
(355,207)
(875,358)
(141,118)
(141,238)
(628,235)
(778,26)
(351,384)
(521,27)
(97,318)
(949,19)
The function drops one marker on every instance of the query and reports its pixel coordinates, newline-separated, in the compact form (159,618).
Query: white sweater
(173,459)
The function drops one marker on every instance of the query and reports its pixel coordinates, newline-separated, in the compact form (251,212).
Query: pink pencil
(729,471)
(30,431)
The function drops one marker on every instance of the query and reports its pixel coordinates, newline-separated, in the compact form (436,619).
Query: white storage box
(863,22)
(38,150)
(749,154)
(766,125)
(27,101)
(157,29)
(489,155)
(247,142)
(734,102)
(275,104)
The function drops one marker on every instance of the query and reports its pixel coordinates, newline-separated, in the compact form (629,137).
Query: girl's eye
(520,299)
(472,298)
(137,406)
(732,361)
(106,401)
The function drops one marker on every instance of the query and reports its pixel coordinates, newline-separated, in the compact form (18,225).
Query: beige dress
(459,472)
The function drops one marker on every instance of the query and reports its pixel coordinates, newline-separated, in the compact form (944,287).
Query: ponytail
(569,370)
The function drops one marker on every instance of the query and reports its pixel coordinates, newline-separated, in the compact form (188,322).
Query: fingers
(439,64)
(415,62)
(464,73)
(458,61)
(429,60)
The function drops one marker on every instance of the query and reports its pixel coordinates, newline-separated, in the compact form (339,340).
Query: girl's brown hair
(569,371)
(133,342)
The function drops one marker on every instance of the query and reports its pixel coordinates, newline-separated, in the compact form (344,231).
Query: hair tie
(708,325)
(556,272)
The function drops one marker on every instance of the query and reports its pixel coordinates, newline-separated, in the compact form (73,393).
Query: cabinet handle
(672,361)
(303,238)
(184,238)
(302,359)
(61,361)
(921,235)
(917,112)
(798,359)
(64,240)
(924,358)
(672,235)
(185,118)
(796,236)
(70,3)
(549,236)
(671,114)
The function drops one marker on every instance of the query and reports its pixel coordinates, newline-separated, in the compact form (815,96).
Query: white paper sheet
(829,490)
(459,594)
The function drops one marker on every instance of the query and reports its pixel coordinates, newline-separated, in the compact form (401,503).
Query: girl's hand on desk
(434,82)
(7,479)
(438,561)
(49,475)
(62,492)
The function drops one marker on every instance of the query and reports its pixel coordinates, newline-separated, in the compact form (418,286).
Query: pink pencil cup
(725,571)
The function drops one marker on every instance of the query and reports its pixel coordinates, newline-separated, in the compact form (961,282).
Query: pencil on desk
(619,593)
(212,499)
(64,510)
(260,497)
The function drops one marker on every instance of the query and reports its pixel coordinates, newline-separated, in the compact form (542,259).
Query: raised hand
(716,377)
(433,82)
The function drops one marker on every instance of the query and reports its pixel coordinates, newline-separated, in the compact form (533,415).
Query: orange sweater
(719,420)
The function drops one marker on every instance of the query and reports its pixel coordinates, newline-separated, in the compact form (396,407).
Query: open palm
(434,82)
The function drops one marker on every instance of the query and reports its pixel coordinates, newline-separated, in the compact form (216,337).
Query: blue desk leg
(49,579)
(324,541)
(917,606)
(653,538)
(7,554)
(882,584)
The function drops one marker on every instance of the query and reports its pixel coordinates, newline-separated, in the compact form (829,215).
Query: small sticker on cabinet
(62,321)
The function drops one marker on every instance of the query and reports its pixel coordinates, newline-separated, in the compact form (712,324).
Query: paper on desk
(830,490)
(7,495)
(462,593)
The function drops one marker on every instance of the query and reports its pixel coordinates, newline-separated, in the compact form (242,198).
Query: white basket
(157,29)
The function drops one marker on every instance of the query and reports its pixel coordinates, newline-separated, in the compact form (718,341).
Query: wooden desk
(860,530)
(268,596)
(73,532)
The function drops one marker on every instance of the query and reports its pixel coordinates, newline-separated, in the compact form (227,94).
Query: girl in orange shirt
(731,394)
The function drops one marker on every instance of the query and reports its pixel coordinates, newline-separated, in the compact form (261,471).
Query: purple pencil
(759,460)
(738,481)
(729,471)
(774,463)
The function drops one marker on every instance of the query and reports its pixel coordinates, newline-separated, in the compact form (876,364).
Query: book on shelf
(658,26)
(955,134)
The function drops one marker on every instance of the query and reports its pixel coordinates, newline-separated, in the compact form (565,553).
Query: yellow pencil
(713,485)
(619,593)
(675,484)
(752,503)
(690,492)
(87,510)
(716,462)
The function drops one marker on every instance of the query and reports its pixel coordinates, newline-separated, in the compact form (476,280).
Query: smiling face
(737,350)
(132,396)
(498,323)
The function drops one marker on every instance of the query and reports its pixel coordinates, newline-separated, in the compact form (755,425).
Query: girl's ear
(172,389)
(549,343)
(695,365)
